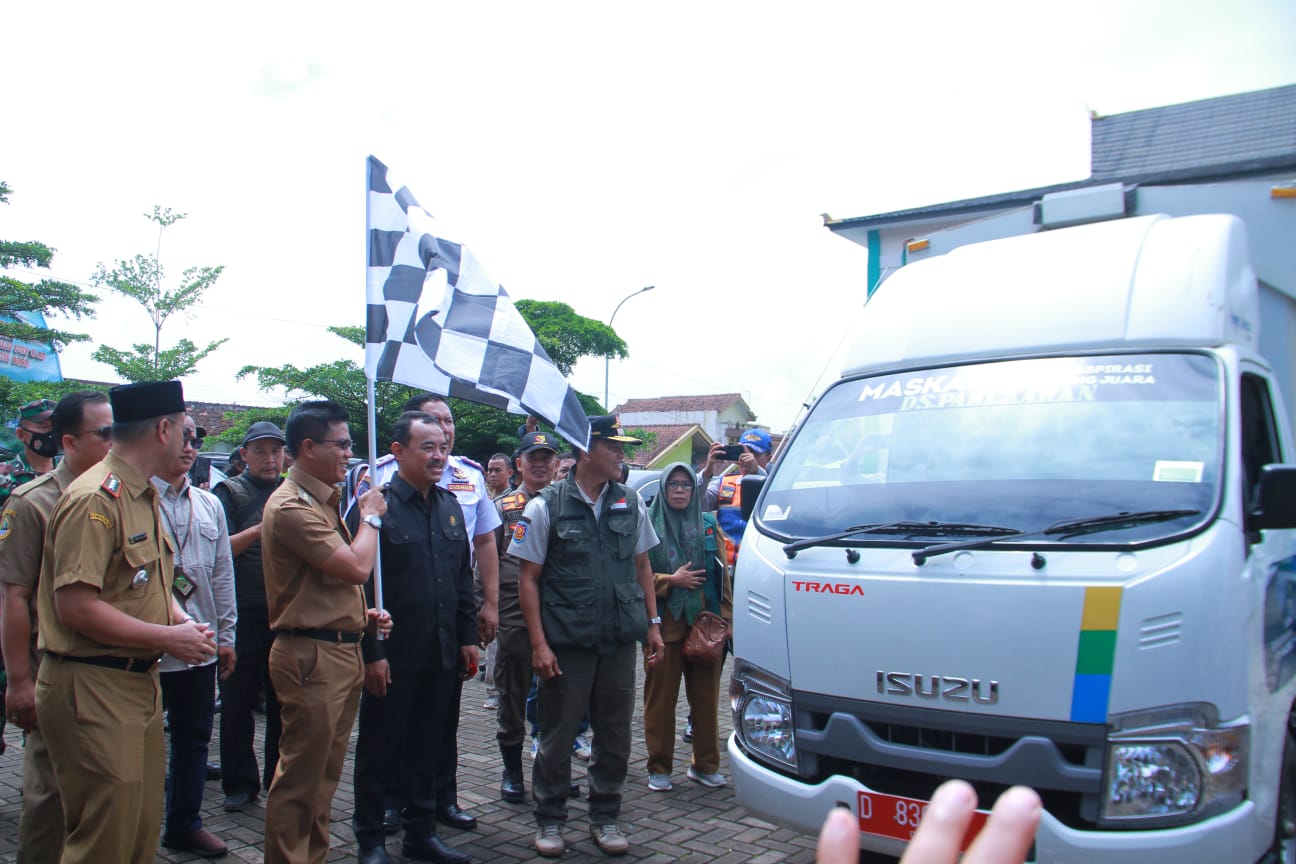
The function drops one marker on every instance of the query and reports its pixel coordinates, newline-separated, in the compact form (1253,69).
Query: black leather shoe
(391,821)
(512,788)
(239,801)
(455,817)
(374,855)
(213,771)
(430,847)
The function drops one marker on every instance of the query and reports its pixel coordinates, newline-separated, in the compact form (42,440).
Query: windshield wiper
(1069,528)
(899,527)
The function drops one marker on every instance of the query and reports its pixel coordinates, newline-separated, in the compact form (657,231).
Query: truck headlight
(762,714)
(1173,766)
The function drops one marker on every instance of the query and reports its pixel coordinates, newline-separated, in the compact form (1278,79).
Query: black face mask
(43,444)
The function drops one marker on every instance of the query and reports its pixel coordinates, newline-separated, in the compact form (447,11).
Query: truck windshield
(1021,444)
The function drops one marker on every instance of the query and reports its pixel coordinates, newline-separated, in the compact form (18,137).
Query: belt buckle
(337,637)
(130,664)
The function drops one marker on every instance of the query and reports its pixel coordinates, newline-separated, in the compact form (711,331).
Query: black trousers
(253,639)
(399,746)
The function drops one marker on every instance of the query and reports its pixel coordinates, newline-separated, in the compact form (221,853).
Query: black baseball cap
(536,441)
(263,429)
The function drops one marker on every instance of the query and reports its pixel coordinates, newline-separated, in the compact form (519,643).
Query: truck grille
(910,751)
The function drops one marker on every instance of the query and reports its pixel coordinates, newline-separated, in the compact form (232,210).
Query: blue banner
(28,361)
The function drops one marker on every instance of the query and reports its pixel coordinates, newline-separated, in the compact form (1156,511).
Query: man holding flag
(436,321)
(314,571)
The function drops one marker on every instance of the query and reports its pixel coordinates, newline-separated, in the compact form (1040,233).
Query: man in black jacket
(244,498)
(414,678)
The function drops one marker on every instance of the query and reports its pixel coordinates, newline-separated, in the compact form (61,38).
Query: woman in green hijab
(690,575)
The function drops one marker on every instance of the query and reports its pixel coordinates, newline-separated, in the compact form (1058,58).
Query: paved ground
(690,823)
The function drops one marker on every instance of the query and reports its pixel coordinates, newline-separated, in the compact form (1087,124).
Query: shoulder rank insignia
(5,524)
(516,501)
(303,495)
(112,485)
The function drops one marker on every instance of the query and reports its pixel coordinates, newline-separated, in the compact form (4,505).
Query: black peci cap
(146,400)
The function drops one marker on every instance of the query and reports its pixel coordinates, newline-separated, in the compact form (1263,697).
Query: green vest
(589,596)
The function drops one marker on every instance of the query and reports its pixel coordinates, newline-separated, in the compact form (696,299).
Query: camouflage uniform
(15,473)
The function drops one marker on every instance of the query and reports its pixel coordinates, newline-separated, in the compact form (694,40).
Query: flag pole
(371,401)
(373,477)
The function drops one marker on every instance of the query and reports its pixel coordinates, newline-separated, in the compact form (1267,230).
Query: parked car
(646,482)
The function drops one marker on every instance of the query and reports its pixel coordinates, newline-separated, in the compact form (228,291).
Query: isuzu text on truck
(1039,533)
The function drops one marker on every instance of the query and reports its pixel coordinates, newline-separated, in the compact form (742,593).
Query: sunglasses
(342,443)
(104,433)
(194,441)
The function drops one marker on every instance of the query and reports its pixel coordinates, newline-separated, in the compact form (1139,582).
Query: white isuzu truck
(1040,532)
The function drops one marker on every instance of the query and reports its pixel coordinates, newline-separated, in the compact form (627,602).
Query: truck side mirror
(751,489)
(1275,498)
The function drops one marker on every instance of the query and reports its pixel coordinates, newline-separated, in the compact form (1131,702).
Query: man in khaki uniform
(83,423)
(106,615)
(314,571)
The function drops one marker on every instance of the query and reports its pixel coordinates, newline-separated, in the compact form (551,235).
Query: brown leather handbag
(705,643)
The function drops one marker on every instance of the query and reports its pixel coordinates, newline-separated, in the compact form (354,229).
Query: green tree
(343,381)
(140,279)
(479,429)
(45,296)
(566,336)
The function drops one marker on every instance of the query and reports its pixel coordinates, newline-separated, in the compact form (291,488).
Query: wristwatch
(374,521)
(656,620)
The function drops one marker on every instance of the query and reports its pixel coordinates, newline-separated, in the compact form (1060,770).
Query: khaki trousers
(512,683)
(661,693)
(318,684)
(40,830)
(103,728)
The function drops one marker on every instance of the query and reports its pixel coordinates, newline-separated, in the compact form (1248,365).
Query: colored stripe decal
(1095,655)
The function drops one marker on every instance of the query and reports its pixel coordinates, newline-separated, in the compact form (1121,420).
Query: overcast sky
(584,150)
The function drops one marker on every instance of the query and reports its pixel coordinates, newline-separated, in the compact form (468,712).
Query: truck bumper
(1233,836)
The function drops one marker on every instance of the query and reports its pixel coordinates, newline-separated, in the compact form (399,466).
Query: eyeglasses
(104,433)
(342,443)
(678,484)
(194,441)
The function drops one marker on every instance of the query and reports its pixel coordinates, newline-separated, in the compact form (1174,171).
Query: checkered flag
(437,321)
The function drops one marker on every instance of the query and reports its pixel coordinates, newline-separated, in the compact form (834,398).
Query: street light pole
(607,358)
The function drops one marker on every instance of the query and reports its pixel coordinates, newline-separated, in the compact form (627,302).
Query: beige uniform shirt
(106,532)
(300,529)
(22,535)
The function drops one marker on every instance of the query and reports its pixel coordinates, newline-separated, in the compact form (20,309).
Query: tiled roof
(1223,134)
(211,415)
(712,402)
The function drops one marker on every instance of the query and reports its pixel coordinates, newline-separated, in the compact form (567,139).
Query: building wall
(682,451)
